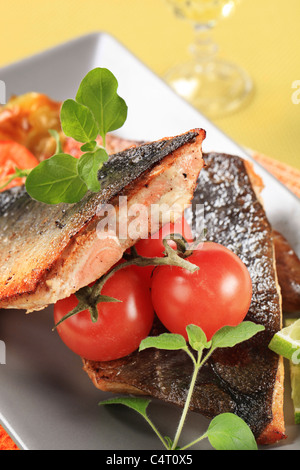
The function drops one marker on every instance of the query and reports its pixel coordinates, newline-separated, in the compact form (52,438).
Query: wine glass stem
(204,49)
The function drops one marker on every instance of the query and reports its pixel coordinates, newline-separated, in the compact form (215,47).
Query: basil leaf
(56,180)
(78,122)
(98,91)
(88,167)
(229,432)
(167,341)
(135,403)
(229,336)
(197,338)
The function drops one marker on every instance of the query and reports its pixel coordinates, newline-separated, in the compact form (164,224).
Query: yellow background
(262,36)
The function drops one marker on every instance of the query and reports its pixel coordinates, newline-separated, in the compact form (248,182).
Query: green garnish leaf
(166,341)
(98,109)
(78,122)
(135,403)
(89,146)
(88,166)
(229,432)
(229,336)
(98,91)
(56,180)
(197,338)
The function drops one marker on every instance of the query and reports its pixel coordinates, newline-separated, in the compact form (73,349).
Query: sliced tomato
(12,156)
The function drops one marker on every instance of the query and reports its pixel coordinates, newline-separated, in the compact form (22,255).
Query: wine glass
(214,86)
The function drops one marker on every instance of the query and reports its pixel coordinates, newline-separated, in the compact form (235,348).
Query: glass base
(216,88)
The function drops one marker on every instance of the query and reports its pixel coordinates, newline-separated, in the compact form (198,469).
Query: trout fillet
(248,379)
(50,252)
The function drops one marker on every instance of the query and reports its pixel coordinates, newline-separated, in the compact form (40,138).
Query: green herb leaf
(78,121)
(89,146)
(197,338)
(138,404)
(56,180)
(166,341)
(229,432)
(88,166)
(98,91)
(56,136)
(98,109)
(229,336)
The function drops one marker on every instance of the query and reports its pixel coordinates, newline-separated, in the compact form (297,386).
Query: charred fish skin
(39,241)
(121,169)
(242,379)
(288,269)
(235,218)
(131,163)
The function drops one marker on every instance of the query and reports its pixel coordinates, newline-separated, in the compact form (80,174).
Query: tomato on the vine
(120,327)
(153,246)
(216,295)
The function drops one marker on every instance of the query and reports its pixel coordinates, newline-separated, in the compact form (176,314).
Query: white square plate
(47,402)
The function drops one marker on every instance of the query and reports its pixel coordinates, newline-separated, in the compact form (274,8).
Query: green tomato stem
(89,297)
(172,259)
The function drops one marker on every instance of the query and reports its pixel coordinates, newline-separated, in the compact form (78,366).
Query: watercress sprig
(97,110)
(226,431)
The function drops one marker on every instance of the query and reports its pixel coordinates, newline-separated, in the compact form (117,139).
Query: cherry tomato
(153,246)
(14,155)
(216,295)
(121,326)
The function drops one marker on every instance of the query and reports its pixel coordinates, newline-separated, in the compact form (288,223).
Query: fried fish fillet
(248,379)
(288,268)
(50,252)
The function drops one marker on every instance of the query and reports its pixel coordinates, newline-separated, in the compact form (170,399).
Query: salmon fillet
(247,379)
(50,252)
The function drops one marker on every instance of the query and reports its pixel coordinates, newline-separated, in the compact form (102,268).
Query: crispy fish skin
(49,252)
(248,379)
(288,268)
